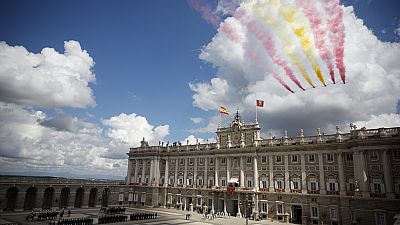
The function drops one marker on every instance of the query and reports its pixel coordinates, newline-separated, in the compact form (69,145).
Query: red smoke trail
(232,35)
(205,11)
(337,35)
(319,33)
(266,40)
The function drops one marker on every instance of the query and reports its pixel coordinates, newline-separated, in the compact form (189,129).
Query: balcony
(377,195)
(295,191)
(279,190)
(313,192)
(264,189)
(332,193)
(179,185)
(350,193)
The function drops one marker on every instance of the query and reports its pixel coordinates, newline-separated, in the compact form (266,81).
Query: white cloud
(48,78)
(372,88)
(383,120)
(196,120)
(397,30)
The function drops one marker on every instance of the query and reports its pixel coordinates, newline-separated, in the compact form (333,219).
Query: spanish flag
(223,110)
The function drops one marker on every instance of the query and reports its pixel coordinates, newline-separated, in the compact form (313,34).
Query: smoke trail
(205,11)
(319,33)
(233,36)
(272,21)
(337,35)
(291,15)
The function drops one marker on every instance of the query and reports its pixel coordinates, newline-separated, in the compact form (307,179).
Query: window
(223,160)
(223,182)
(182,161)
(396,154)
(333,213)
(211,161)
(278,158)
(171,180)
(200,181)
(279,209)
(332,186)
(294,158)
(377,186)
(201,161)
(380,219)
(209,202)
(248,160)
(146,180)
(264,159)
(329,157)
(180,180)
(190,181)
(279,184)
(264,207)
(211,182)
(349,156)
(373,155)
(279,197)
(313,184)
(313,199)
(249,183)
(311,158)
(172,162)
(295,185)
(190,161)
(264,184)
(314,212)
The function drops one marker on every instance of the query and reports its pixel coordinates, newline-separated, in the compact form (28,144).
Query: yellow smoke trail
(302,33)
(272,21)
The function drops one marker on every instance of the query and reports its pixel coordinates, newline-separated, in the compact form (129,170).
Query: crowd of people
(142,216)
(112,219)
(113,210)
(46,215)
(74,221)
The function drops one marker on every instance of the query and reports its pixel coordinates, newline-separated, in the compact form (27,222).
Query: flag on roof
(223,110)
(260,103)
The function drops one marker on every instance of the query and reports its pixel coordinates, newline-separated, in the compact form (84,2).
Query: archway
(30,198)
(48,198)
(11,199)
(92,197)
(79,197)
(64,197)
(297,212)
(105,195)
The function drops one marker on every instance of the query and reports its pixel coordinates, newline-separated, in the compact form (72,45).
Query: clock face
(236,137)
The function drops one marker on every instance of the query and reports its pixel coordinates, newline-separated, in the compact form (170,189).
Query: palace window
(314,212)
(333,214)
(190,161)
(313,199)
(190,181)
(201,161)
(180,180)
(329,157)
(311,158)
(279,184)
(264,207)
(172,162)
(313,184)
(350,185)
(182,161)
(223,181)
(380,219)
(248,160)
(211,161)
(279,209)
(349,156)
(373,155)
(263,159)
(295,184)
(264,184)
(171,180)
(377,186)
(211,182)
(294,158)
(280,197)
(249,182)
(223,160)
(397,187)
(200,181)
(333,185)
(396,154)
(278,158)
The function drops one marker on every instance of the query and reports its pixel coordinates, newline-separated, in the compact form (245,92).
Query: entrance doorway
(30,198)
(235,207)
(48,198)
(11,199)
(296,214)
(79,198)
(64,197)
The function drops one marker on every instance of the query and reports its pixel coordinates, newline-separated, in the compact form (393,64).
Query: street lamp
(248,203)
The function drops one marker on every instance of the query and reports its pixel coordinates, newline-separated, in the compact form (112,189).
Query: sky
(83,81)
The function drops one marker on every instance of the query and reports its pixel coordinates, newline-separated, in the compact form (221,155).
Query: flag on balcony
(230,190)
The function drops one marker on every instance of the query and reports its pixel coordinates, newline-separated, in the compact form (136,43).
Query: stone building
(341,178)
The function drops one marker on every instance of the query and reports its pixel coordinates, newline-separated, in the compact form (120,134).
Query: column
(303,173)
(136,171)
(212,203)
(241,183)
(225,202)
(129,174)
(195,174)
(228,169)
(205,172)
(239,214)
(360,172)
(342,180)
(156,172)
(256,210)
(176,172)
(166,173)
(143,171)
(271,173)
(321,174)
(255,170)
(216,172)
(387,174)
(287,181)
(185,173)
(151,172)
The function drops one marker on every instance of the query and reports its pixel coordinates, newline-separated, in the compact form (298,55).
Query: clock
(236,138)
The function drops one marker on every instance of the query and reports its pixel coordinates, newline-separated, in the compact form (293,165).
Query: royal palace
(341,178)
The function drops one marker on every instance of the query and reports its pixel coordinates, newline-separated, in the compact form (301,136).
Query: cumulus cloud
(371,93)
(48,78)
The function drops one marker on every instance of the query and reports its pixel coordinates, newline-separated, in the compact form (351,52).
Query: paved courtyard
(165,217)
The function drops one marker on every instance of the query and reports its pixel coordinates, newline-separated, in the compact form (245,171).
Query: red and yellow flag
(260,103)
(223,110)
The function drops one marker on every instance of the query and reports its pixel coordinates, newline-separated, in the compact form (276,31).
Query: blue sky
(146,53)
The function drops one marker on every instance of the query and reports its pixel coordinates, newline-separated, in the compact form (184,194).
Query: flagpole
(220,120)
(256,111)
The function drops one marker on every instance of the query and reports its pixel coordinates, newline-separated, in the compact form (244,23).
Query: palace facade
(341,178)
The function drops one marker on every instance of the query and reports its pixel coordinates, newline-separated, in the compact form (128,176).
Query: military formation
(74,221)
(112,219)
(143,216)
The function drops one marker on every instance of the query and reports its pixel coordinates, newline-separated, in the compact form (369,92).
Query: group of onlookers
(142,216)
